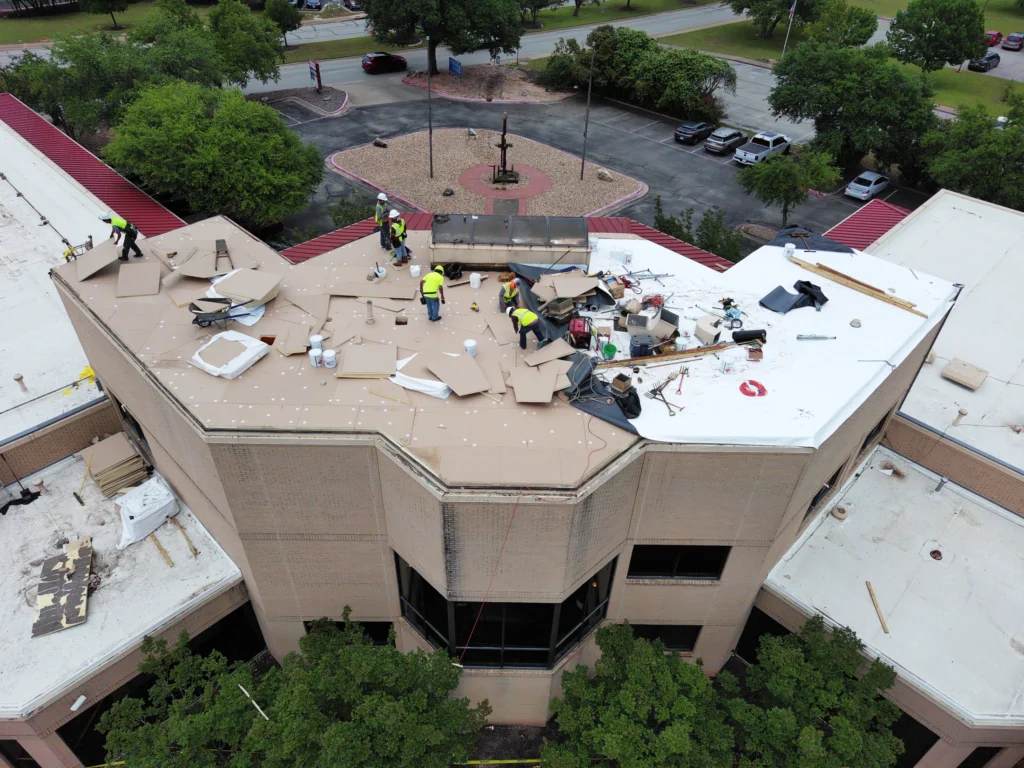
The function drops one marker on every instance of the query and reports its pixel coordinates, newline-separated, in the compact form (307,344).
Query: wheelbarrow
(206,315)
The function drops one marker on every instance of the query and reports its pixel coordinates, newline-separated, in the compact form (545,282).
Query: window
(676,637)
(15,754)
(659,561)
(917,740)
(758,625)
(821,495)
(377,631)
(874,433)
(980,757)
(504,634)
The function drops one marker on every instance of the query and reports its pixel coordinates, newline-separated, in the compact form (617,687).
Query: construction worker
(432,290)
(508,294)
(523,321)
(399,252)
(380,216)
(119,227)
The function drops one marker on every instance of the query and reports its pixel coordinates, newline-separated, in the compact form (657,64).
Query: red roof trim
(421,221)
(112,189)
(867,224)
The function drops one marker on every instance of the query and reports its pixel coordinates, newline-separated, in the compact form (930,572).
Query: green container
(609,351)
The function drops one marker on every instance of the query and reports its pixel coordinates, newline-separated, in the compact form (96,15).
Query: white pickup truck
(761,147)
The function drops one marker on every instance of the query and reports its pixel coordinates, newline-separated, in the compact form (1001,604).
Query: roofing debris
(113,464)
(62,595)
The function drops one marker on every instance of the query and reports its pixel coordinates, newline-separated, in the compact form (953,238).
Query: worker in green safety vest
(524,321)
(399,252)
(118,227)
(380,218)
(508,294)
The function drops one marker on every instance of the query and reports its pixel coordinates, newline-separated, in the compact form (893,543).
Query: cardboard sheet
(139,279)
(91,262)
(250,285)
(556,349)
(502,329)
(383,290)
(222,352)
(384,303)
(367,361)
(295,341)
(315,304)
(202,265)
(544,293)
(488,357)
(570,287)
(561,368)
(461,373)
(534,385)
(184,290)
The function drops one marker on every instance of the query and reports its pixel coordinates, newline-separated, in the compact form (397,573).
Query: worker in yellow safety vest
(524,321)
(508,294)
(399,252)
(432,290)
(118,227)
(380,216)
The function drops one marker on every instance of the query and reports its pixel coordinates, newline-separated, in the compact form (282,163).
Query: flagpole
(792,13)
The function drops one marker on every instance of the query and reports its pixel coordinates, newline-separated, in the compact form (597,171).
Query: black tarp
(797,235)
(593,396)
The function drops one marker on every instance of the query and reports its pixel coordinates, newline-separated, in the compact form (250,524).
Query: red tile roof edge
(421,221)
(867,224)
(112,189)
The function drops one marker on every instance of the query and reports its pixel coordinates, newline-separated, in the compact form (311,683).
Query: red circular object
(752,388)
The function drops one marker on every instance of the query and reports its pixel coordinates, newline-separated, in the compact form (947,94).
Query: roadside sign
(314,74)
(455,66)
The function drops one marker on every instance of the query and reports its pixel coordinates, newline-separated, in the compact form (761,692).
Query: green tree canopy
(249,45)
(642,708)
(768,14)
(217,152)
(842,24)
(104,7)
(340,702)
(168,16)
(461,25)
(969,154)
(859,99)
(783,180)
(805,703)
(285,15)
(932,33)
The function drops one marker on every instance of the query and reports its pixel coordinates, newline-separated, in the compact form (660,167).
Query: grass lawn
(610,10)
(954,88)
(337,49)
(536,65)
(1003,15)
(38,28)
(737,39)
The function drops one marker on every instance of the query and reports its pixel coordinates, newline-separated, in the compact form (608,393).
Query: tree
(351,210)
(532,8)
(680,228)
(461,25)
(285,15)
(969,154)
(168,16)
(932,33)
(340,702)
(860,100)
(580,3)
(783,180)
(767,14)
(805,704)
(250,45)
(215,151)
(712,235)
(104,7)
(842,24)
(642,708)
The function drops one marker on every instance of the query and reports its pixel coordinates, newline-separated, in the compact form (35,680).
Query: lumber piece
(856,285)
(878,608)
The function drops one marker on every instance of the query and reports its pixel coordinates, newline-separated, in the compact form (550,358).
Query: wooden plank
(878,608)
(855,285)
(688,354)
(550,351)
(964,374)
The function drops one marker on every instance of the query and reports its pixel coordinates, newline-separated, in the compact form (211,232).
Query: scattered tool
(191,546)
(657,393)
(167,558)
(78,496)
(474,307)
(850,282)
(390,397)
(812,337)
(683,370)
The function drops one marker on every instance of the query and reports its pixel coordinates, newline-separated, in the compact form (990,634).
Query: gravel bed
(760,231)
(483,81)
(327,102)
(403,168)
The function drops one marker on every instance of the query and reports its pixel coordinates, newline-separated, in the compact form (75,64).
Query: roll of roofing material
(752,335)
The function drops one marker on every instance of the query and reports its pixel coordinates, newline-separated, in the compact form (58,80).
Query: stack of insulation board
(114,464)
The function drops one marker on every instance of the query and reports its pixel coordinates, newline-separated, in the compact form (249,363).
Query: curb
(333,20)
(641,190)
(453,97)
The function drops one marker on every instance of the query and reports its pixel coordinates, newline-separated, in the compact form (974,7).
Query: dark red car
(375,63)
(993,38)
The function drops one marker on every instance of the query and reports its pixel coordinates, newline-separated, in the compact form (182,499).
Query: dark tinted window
(676,637)
(15,754)
(377,631)
(422,605)
(823,493)
(917,740)
(659,561)
(862,181)
(980,757)
(875,432)
(758,625)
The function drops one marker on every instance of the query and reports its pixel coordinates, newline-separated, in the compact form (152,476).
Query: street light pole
(430,116)
(586,121)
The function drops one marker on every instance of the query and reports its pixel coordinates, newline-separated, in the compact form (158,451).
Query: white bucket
(330,358)
(414,270)
(681,344)
(316,341)
(475,280)
(316,358)
(470,346)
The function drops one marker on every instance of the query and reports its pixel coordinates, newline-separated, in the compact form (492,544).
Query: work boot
(122,258)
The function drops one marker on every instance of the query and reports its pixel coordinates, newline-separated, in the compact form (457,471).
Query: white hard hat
(509,311)
(382,196)
(393,214)
(106,217)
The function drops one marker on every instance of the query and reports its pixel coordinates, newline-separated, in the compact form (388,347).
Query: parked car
(375,63)
(1014,41)
(989,61)
(761,147)
(693,131)
(866,186)
(313,5)
(352,5)
(724,140)
(993,37)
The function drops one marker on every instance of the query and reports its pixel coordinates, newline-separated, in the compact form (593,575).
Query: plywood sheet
(543,292)
(62,595)
(489,359)
(570,287)
(250,285)
(91,262)
(138,279)
(551,351)
(461,373)
(374,290)
(295,341)
(315,304)
(367,361)
(965,374)
(106,453)
(468,323)
(202,265)
(184,290)
(222,352)
(502,329)
(534,385)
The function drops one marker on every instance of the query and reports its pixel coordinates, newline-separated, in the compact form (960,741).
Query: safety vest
(525,317)
(380,214)
(511,290)
(118,223)
(398,229)
(431,283)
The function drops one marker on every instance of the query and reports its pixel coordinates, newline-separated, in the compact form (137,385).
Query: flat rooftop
(812,386)
(956,625)
(138,593)
(978,244)
(40,205)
